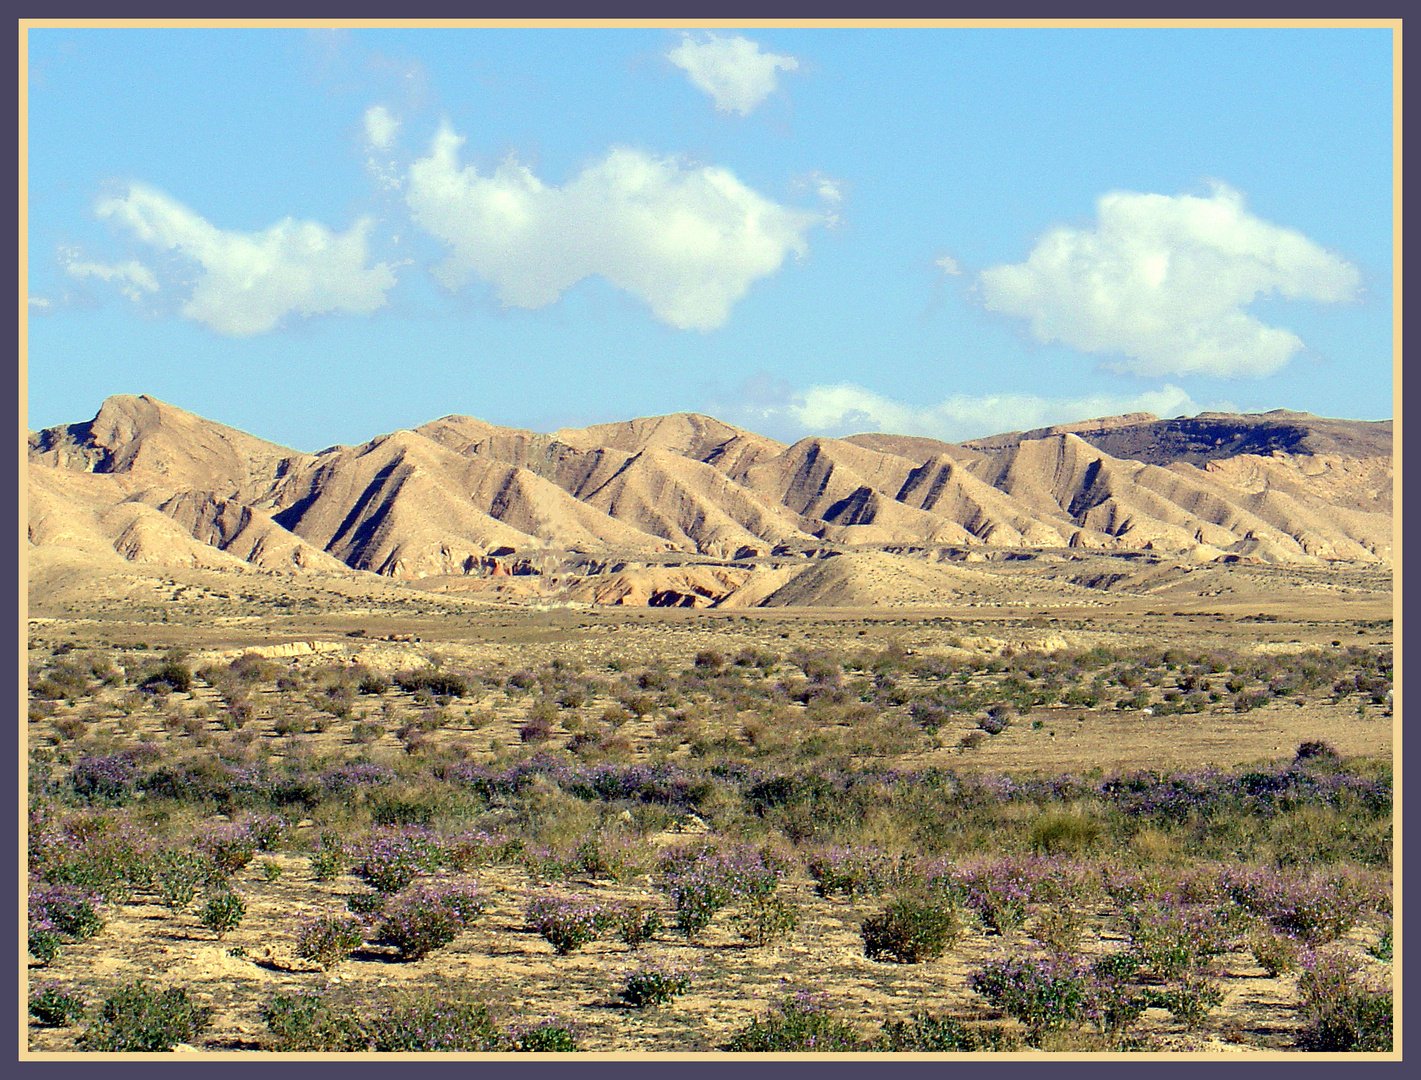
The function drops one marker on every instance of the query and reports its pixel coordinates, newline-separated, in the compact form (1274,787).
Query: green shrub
(1054,833)
(1382,949)
(1189,1000)
(763,918)
(52,1007)
(797,1024)
(178,874)
(305,1022)
(654,984)
(371,903)
(546,1037)
(139,1018)
(1276,953)
(924,1033)
(1059,928)
(223,912)
(172,677)
(326,863)
(911,930)
(44,945)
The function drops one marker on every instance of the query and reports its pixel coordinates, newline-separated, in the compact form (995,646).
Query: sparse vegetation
(715,803)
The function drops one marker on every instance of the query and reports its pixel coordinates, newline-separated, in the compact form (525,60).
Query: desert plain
(1062,700)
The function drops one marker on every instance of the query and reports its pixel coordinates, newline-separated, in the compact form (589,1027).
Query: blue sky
(321,235)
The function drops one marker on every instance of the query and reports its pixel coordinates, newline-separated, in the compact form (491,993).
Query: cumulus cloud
(248,282)
(845,409)
(1163,281)
(41,303)
(688,241)
(132,277)
(948,265)
(733,71)
(380,127)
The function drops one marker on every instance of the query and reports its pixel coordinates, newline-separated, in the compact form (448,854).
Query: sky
(321,235)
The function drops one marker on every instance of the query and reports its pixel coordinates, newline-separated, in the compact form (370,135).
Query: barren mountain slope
(143,434)
(694,506)
(460,498)
(93,514)
(912,447)
(406,506)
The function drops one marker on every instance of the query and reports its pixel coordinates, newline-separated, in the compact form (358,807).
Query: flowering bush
(567,922)
(347,778)
(268,831)
(654,984)
(1000,891)
(429,918)
(1339,1012)
(104,779)
(1113,1001)
(392,858)
(66,909)
(1173,939)
(230,847)
(329,939)
(1312,908)
(637,924)
(1042,994)
(703,880)
(429,1022)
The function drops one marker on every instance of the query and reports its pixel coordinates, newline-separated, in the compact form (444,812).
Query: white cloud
(249,282)
(380,127)
(733,71)
(132,277)
(41,303)
(689,241)
(949,265)
(1163,281)
(845,409)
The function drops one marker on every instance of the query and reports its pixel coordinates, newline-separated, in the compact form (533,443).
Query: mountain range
(685,509)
